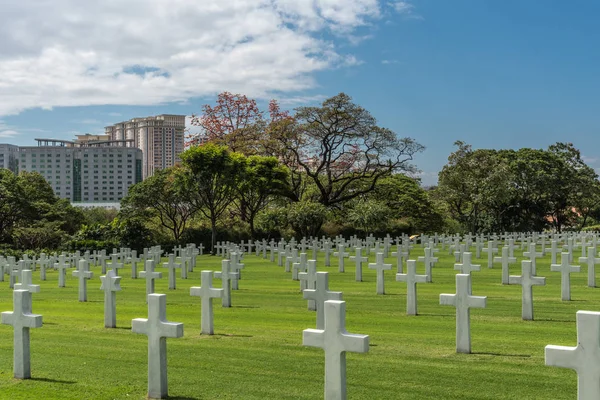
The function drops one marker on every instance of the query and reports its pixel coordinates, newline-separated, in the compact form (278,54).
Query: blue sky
(496,74)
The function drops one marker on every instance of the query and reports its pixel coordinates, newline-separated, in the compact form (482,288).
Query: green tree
(307,218)
(339,146)
(165,195)
(262,179)
(12,203)
(369,215)
(473,183)
(214,177)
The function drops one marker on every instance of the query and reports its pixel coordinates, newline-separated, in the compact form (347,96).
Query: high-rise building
(86,170)
(161,139)
(9,157)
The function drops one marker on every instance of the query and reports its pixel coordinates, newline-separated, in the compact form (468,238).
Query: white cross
(150,275)
(334,339)
(110,285)
(585,358)
(591,261)
(308,280)
(133,259)
(466,267)
(327,251)
(565,270)
(26,282)
(429,261)
(359,260)
(299,266)
(320,294)
(401,255)
(554,250)
(340,254)
(172,265)
(21,320)
(463,301)
(236,266)
(527,280)
(226,276)
(62,266)
(158,329)
(490,250)
(532,254)
(411,278)
(115,264)
(83,274)
(207,292)
(506,261)
(380,267)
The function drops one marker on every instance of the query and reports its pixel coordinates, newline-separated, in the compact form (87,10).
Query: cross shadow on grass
(48,380)
(481,353)
(554,320)
(232,335)
(183,398)
(245,306)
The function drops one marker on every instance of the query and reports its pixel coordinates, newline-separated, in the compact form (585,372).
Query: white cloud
(406,8)
(143,52)
(8,133)
(387,62)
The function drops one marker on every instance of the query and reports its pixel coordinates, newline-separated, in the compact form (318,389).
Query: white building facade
(88,172)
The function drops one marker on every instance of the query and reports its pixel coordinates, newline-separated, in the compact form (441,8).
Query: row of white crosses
(156,327)
(330,334)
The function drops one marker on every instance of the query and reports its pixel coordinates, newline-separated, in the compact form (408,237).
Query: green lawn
(257,351)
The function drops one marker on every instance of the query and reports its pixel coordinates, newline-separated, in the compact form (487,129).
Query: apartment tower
(161,139)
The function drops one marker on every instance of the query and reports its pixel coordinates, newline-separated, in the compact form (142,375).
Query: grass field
(257,352)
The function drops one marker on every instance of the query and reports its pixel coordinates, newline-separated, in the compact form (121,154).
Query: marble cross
(411,278)
(299,266)
(591,261)
(554,250)
(532,254)
(207,292)
(584,358)
(290,260)
(429,261)
(400,255)
(327,251)
(133,260)
(150,275)
(21,319)
(527,281)
(359,260)
(308,280)
(226,276)
(110,285)
(114,263)
(172,265)
(44,264)
(236,266)
(340,254)
(506,260)
(62,266)
(463,301)
(466,267)
(158,329)
(490,250)
(565,270)
(380,267)
(334,339)
(320,294)
(83,274)
(26,282)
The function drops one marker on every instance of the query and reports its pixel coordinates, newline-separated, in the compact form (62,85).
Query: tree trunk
(213,240)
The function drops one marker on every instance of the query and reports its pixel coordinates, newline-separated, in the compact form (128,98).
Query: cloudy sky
(508,73)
